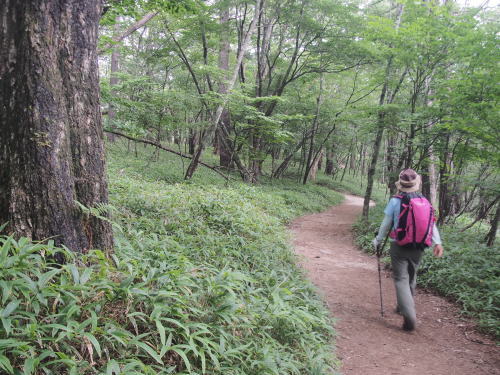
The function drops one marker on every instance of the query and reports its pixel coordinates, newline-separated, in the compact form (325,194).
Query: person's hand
(438,251)
(375,245)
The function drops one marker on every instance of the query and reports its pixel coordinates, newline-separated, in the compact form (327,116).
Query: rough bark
(51,151)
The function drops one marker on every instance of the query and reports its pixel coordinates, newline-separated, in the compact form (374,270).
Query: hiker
(408,242)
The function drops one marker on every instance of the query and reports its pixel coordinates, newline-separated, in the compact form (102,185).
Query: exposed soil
(367,344)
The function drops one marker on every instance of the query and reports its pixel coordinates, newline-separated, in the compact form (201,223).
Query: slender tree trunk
(433,178)
(218,113)
(52,151)
(314,128)
(315,166)
(225,119)
(320,159)
(329,162)
(113,81)
(373,164)
(444,199)
(492,234)
(192,141)
(431,165)
(376,146)
(278,172)
(381,125)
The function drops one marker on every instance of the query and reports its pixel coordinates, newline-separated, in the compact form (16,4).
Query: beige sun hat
(409,181)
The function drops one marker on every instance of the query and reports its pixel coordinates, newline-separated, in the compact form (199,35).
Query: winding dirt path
(443,343)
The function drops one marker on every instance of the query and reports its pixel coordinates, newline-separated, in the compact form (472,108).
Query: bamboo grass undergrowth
(202,281)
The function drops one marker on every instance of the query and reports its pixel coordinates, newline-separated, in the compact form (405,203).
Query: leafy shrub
(469,272)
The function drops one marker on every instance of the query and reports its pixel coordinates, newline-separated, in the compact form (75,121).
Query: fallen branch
(161,147)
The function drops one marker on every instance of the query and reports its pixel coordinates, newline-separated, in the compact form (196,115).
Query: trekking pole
(379,253)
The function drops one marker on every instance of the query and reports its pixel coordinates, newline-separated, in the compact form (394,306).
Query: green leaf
(183,356)
(113,368)
(5,364)
(10,308)
(6,290)
(85,276)
(94,342)
(29,366)
(161,330)
(7,325)
(74,273)
(45,278)
(152,353)
(4,251)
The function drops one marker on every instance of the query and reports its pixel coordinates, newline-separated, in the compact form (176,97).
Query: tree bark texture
(51,150)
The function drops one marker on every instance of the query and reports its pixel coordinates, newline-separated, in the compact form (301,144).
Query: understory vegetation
(202,281)
(468,273)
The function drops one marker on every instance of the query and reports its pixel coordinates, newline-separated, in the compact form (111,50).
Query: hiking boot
(408,325)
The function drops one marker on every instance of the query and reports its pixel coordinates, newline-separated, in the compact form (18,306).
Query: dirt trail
(442,344)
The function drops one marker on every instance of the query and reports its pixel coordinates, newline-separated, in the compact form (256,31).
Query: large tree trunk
(51,150)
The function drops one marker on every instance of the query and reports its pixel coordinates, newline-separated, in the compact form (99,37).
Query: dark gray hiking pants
(404,271)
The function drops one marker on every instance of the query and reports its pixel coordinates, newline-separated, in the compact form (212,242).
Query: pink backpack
(416,220)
